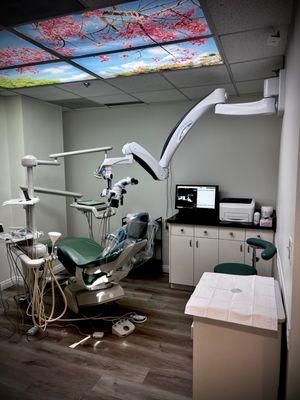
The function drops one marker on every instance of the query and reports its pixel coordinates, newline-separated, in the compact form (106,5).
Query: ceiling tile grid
(231,16)
(112,99)
(258,69)
(160,96)
(198,76)
(241,29)
(194,93)
(252,45)
(47,93)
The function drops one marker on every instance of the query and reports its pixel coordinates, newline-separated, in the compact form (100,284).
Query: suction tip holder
(54,236)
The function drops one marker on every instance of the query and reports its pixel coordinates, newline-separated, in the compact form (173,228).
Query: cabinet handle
(205,232)
(231,233)
(190,242)
(248,249)
(181,230)
(241,247)
(197,244)
(259,236)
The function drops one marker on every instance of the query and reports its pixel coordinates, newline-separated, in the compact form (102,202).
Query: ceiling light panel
(16,51)
(188,54)
(124,26)
(43,74)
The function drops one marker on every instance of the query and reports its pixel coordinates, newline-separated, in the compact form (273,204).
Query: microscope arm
(159,170)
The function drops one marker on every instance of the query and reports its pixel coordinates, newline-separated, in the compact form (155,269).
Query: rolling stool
(269,250)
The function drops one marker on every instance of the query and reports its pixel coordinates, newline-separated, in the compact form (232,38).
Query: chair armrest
(269,250)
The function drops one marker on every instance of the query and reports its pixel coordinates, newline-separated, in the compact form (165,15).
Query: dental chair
(269,250)
(95,270)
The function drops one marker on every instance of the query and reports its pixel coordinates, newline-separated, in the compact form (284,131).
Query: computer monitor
(196,197)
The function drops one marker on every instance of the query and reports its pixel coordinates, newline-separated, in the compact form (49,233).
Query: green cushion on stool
(235,269)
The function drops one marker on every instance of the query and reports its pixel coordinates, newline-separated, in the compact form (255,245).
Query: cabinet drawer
(206,232)
(182,230)
(260,234)
(232,233)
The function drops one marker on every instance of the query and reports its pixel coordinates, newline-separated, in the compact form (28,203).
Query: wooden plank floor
(155,362)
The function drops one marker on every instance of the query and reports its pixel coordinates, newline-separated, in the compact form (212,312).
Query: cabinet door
(264,267)
(231,251)
(205,257)
(181,260)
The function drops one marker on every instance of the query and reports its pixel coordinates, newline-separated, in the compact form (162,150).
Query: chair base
(235,269)
(77,296)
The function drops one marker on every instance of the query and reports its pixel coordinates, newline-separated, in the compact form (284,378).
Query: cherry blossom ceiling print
(130,38)
(17,51)
(125,26)
(42,74)
(159,58)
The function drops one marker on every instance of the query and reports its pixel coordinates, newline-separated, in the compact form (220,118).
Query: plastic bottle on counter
(256,218)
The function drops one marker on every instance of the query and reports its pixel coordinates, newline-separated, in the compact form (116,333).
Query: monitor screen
(196,197)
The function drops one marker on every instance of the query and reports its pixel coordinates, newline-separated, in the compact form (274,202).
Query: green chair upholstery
(80,252)
(235,269)
(269,250)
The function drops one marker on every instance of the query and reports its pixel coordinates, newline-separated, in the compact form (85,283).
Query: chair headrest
(137,226)
(269,250)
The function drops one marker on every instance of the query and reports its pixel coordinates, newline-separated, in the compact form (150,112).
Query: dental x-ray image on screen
(186,197)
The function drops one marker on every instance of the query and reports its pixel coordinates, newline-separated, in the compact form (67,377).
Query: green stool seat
(235,269)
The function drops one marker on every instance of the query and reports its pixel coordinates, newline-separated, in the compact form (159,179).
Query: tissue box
(267,222)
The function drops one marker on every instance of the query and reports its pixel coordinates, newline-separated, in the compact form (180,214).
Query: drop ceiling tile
(46,93)
(117,98)
(256,69)
(159,96)
(239,15)
(141,83)
(247,87)
(6,93)
(198,76)
(252,45)
(88,89)
(202,91)
(76,104)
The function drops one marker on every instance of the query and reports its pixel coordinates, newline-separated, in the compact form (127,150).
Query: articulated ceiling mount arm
(159,169)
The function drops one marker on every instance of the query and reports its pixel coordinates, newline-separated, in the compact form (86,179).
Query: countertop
(198,220)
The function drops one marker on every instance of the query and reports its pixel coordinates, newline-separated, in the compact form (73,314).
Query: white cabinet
(231,251)
(231,245)
(181,260)
(197,249)
(193,250)
(205,257)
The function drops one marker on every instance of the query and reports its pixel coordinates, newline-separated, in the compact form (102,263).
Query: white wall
(289,209)
(239,154)
(43,135)
(30,127)
(5,192)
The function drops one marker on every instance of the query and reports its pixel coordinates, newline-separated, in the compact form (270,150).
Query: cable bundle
(37,305)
